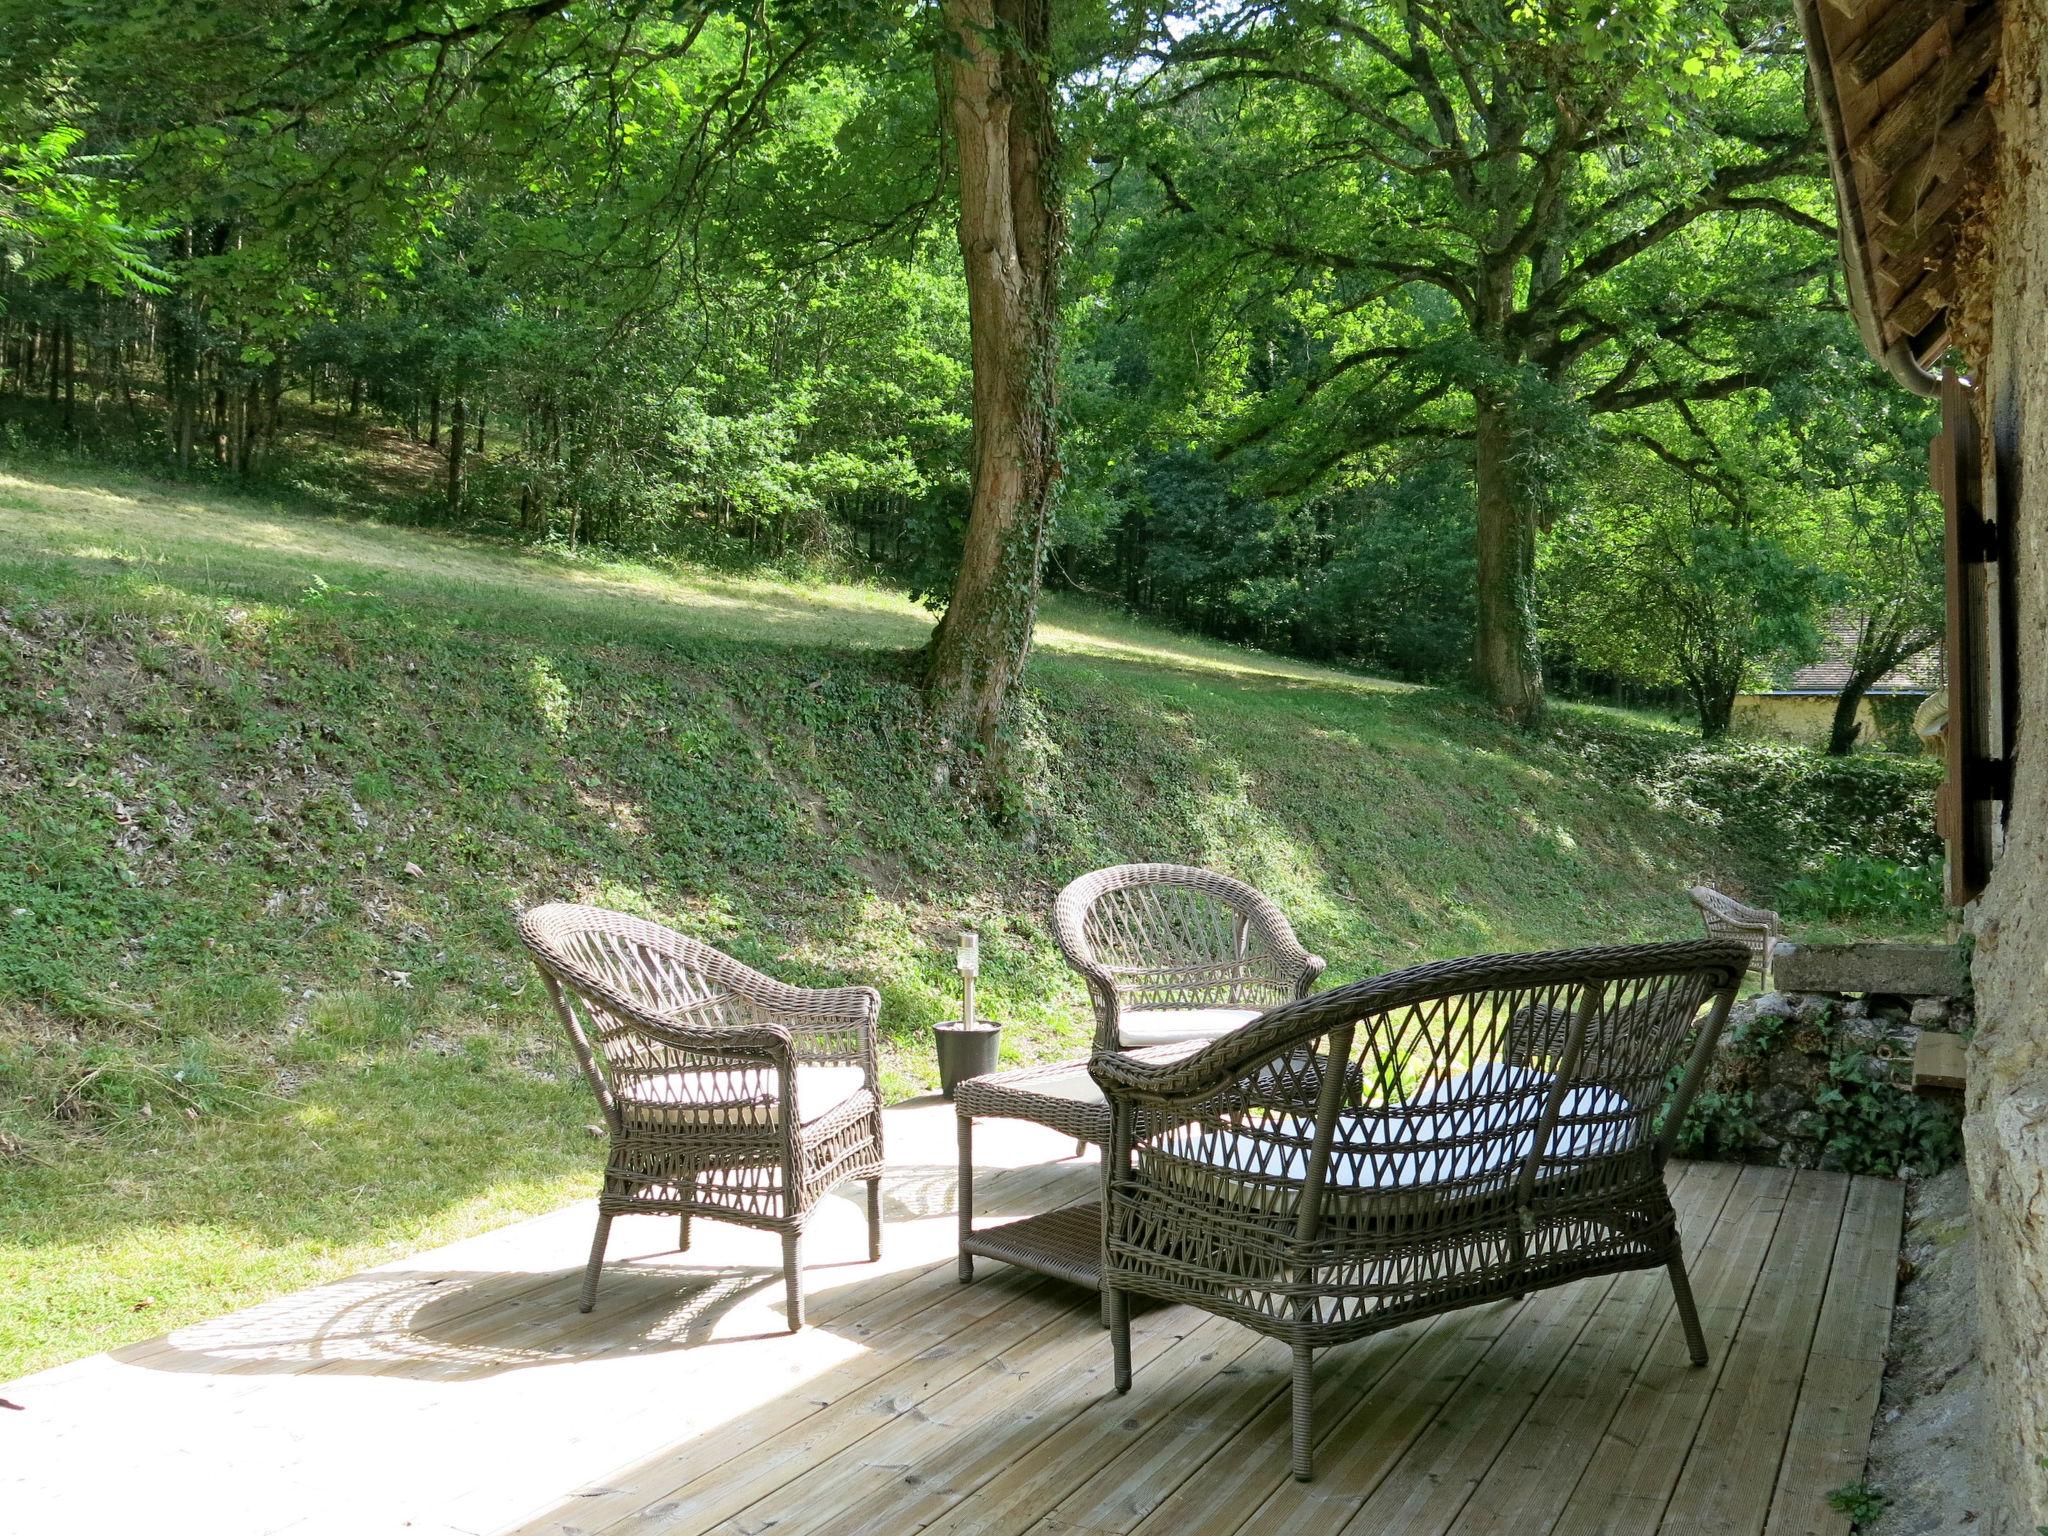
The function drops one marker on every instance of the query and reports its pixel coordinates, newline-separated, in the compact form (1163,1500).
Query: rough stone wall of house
(2006,1130)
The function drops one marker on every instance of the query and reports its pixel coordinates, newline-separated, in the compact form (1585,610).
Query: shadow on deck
(438,1394)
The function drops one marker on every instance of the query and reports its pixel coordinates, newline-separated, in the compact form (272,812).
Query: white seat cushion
(1170,1026)
(1074,1084)
(727,1098)
(1379,1150)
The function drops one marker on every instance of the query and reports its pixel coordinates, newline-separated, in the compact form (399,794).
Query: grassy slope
(277,784)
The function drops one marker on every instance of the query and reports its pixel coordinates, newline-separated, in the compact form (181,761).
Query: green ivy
(1717,1123)
(1873,1125)
(1859,1501)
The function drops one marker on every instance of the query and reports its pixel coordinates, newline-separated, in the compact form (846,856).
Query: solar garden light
(967,1047)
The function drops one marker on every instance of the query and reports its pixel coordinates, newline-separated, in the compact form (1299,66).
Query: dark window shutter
(1981,643)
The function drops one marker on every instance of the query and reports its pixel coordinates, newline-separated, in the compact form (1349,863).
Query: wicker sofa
(725,1093)
(1431,1139)
(1171,953)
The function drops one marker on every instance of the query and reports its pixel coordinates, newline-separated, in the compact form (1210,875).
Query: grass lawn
(277,785)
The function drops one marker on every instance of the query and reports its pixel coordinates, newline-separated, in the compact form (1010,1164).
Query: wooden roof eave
(1898,358)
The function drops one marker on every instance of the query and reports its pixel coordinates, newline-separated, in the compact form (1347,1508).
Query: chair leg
(1688,1314)
(1080,1147)
(963,1194)
(604,1231)
(1120,1336)
(683,1234)
(875,1219)
(792,1277)
(1304,1439)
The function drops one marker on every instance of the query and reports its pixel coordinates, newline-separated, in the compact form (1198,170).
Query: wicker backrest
(1493,1108)
(1173,936)
(659,1018)
(1755,928)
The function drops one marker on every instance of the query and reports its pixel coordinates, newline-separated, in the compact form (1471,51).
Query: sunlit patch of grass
(132,1235)
(351,1022)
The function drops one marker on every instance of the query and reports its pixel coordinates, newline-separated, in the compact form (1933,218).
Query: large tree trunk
(1011,230)
(1716,711)
(1507,667)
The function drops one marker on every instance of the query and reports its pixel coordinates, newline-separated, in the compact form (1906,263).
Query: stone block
(1930,1013)
(1904,970)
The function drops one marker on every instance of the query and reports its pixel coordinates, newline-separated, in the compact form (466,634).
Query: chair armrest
(1297,965)
(1311,966)
(835,1007)
(1178,1073)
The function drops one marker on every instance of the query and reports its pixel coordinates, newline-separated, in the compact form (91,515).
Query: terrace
(461,1391)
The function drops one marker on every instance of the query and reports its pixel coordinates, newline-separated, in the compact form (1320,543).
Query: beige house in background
(1802,706)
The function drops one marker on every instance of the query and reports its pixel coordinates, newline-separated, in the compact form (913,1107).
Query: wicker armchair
(1493,1130)
(1172,953)
(726,1093)
(1754,928)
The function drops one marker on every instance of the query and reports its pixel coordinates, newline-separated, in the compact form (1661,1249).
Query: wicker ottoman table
(1065,1243)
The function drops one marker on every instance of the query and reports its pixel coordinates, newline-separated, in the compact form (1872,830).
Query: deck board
(460,1390)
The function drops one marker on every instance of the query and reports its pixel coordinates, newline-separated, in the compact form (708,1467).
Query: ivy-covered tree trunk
(1012,226)
(1507,665)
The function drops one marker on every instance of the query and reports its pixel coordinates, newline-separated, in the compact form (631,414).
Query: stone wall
(1825,1080)
(2007,1125)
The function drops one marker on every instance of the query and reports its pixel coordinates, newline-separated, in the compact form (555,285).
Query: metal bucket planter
(966,1050)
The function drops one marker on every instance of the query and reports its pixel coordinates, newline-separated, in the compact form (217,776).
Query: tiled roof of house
(1903,90)
(1920,674)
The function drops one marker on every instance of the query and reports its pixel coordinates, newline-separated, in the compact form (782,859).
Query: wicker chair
(1493,1130)
(1754,928)
(726,1093)
(1172,953)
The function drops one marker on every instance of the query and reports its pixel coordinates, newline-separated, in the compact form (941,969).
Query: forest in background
(1487,340)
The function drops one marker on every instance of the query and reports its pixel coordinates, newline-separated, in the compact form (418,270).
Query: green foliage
(1805,806)
(1872,1124)
(1850,886)
(1718,1123)
(60,220)
(1859,1501)
(1866,1122)
(1719,537)
(692,279)
(1894,714)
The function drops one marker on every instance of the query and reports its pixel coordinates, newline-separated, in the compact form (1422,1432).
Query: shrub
(1796,806)
(1844,886)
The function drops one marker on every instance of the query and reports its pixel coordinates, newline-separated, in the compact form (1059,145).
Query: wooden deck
(461,1391)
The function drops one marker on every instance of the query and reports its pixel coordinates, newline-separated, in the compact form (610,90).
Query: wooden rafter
(1902,90)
